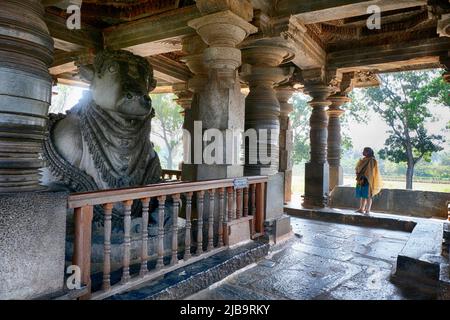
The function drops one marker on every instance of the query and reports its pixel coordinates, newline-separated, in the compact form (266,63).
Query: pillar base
(336,176)
(32,244)
(278,230)
(316,185)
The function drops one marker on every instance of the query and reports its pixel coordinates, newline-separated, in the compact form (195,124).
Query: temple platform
(326,260)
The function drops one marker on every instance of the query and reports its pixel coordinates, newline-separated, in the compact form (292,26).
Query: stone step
(198,276)
(421,257)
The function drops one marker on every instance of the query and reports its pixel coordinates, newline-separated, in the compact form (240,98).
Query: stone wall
(405,202)
(32,241)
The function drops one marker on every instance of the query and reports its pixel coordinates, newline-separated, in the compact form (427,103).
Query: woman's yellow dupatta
(372,173)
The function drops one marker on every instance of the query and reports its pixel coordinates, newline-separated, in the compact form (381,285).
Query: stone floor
(323,261)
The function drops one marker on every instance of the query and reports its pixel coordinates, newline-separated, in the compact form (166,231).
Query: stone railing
(171,175)
(228,202)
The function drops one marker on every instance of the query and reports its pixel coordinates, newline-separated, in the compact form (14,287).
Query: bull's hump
(68,140)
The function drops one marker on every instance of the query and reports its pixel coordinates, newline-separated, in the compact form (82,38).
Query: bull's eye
(113,68)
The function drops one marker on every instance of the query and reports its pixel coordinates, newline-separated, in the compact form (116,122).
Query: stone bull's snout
(135,103)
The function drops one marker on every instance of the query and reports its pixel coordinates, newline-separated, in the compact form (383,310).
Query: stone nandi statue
(104,141)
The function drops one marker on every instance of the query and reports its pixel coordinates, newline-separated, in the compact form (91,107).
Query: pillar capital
(337,101)
(184,95)
(222,29)
(194,47)
(284,93)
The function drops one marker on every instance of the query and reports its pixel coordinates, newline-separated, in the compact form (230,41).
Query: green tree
(403,101)
(168,126)
(60,100)
(300,124)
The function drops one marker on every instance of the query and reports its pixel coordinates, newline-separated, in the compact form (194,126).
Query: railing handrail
(79,200)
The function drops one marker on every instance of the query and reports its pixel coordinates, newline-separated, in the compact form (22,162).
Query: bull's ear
(87,72)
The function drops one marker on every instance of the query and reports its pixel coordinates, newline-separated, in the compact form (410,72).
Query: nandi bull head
(120,82)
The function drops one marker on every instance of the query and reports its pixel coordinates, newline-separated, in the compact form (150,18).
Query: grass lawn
(298,185)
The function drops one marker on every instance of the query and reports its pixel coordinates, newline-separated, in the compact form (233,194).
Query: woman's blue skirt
(362,191)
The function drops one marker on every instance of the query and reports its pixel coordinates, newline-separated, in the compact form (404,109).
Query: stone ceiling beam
(169,25)
(327,10)
(424,51)
(308,53)
(87,37)
(169,70)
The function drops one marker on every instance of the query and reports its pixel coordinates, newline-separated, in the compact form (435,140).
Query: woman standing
(368,180)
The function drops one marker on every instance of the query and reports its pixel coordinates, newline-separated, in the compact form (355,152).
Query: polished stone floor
(323,261)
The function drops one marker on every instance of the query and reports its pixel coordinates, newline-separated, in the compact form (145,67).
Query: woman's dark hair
(368,152)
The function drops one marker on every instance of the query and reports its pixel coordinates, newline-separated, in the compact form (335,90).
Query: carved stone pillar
(262,108)
(26,52)
(184,100)
(194,47)
(220,103)
(334,139)
(284,93)
(317,170)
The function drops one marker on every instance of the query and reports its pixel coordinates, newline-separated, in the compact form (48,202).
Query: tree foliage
(168,128)
(403,101)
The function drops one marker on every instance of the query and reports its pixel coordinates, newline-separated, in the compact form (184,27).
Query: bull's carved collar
(120,148)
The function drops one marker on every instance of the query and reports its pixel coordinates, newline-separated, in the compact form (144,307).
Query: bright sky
(373,134)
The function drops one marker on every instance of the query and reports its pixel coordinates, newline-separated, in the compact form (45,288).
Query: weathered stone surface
(352,218)
(32,243)
(26,52)
(405,202)
(318,265)
(420,257)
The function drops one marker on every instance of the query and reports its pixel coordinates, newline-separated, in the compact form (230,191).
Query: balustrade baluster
(126,241)
(176,210)
(107,246)
(222,216)
(187,249)
(260,207)
(161,211)
(253,208)
(246,202)
(144,252)
(230,203)
(238,203)
(200,198)
(211,220)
